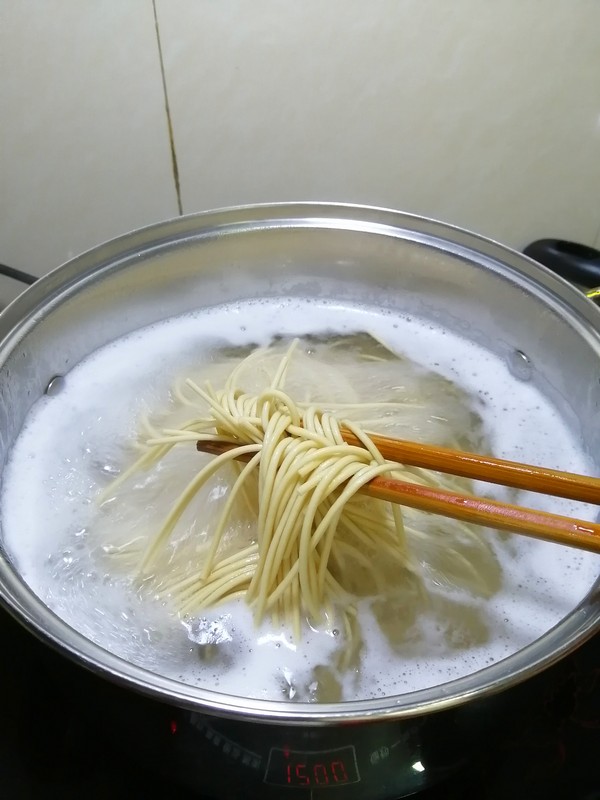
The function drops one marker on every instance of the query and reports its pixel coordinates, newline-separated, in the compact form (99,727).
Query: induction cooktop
(54,744)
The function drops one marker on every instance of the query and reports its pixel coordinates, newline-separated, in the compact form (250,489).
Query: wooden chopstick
(468,508)
(485,468)
(491,513)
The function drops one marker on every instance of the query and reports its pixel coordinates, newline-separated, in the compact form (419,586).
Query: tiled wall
(486,115)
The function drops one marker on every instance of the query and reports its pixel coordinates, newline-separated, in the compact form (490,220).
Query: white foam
(70,444)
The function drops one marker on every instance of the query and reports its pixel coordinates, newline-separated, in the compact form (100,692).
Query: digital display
(301,769)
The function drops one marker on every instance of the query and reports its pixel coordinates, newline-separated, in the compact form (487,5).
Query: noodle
(317,540)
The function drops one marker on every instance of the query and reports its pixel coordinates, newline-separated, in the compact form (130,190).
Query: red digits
(301,774)
(339,771)
(320,772)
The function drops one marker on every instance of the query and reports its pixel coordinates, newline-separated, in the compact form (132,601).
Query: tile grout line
(174,165)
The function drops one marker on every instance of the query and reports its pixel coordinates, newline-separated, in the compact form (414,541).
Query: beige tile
(485,115)
(84,150)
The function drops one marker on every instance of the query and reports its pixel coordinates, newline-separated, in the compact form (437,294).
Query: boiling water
(72,445)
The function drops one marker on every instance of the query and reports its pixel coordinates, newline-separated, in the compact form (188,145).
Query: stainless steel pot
(367,749)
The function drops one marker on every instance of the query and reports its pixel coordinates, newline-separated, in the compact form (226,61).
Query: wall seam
(174,165)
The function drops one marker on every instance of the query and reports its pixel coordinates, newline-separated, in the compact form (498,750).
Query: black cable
(17,274)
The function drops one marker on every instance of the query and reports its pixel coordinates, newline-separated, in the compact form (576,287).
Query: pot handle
(573,261)
(17,274)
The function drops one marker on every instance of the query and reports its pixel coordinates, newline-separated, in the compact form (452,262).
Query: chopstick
(485,468)
(477,510)
(490,513)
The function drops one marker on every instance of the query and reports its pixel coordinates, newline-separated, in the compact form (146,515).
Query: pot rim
(15,320)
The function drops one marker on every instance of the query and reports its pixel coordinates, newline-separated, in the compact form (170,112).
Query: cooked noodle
(318,542)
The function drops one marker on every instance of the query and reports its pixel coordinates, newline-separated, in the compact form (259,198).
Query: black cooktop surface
(51,745)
